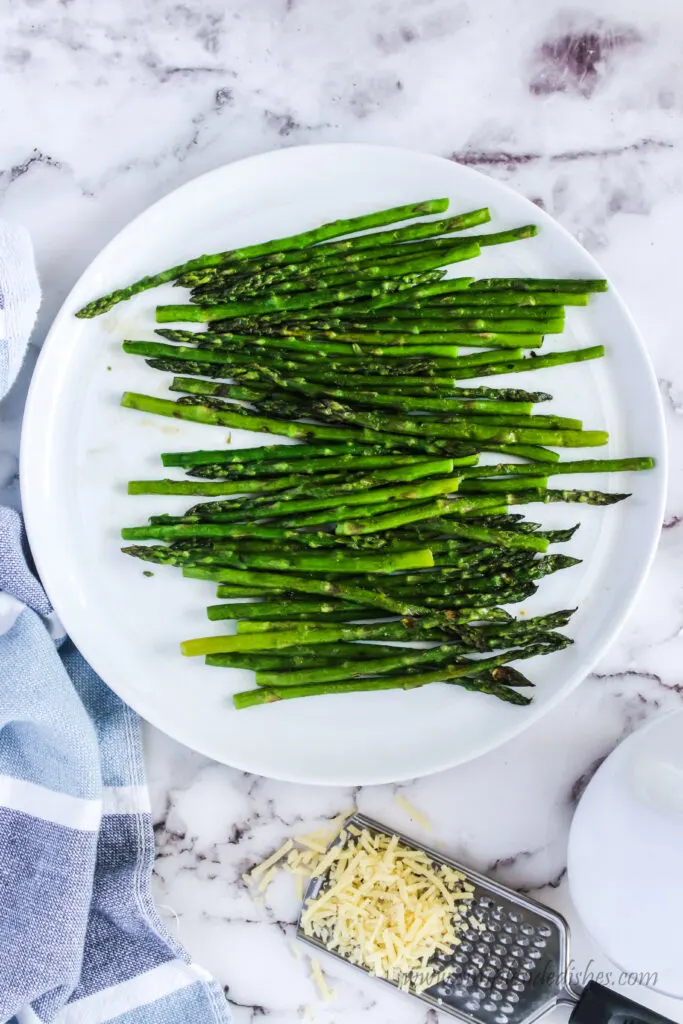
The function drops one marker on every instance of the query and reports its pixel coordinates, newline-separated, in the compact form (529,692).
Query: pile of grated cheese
(383,906)
(388,908)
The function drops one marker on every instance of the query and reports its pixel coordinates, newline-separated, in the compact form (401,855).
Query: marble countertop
(109,106)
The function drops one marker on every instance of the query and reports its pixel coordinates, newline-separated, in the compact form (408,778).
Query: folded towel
(79,933)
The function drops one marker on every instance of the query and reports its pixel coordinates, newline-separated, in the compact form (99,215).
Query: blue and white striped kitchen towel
(80,938)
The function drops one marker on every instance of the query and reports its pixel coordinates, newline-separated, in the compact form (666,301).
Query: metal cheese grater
(515,969)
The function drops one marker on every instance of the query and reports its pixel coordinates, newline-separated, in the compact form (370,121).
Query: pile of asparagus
(383,525)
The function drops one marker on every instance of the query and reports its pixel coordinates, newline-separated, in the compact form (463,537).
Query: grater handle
(600,1005)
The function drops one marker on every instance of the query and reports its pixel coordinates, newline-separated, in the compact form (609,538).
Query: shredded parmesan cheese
(384,906)
(387,908)
(319,978)
(261,868)
(419,816)
(312,843)
(267,878)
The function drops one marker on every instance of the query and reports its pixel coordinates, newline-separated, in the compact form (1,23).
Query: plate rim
(32,510)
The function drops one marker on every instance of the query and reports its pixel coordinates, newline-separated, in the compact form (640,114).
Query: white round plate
(79,449)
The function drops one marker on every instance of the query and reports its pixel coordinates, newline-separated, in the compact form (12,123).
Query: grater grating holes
(492,965)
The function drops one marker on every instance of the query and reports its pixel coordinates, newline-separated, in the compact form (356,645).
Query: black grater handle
(600,1005)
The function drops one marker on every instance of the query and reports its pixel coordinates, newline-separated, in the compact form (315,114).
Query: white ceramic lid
(625,860)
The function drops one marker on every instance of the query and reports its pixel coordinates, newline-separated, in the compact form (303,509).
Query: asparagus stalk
(249,698)
(267,454)
(483,338)
(502,237)
(540,284)
(483,485)
(375,496)
(238,365)
(391,520)
(507,420)
(370,288)
(298,385)
(386,346)
(420,489)
(197,487)
(342,512)
(224,416)
(332,483)
(532,362)
(295,267)
(417,386)
(402,659)
(212,514)
(473,621)
(460,430)
(505,297)
(299,241)
(288,609)
(348,591)
(443,289)
(560,468)
(433,299)
(479,638)
(214,356)
(338,561)
(294,540)
(330,268)
(353,249)
(404,318)
(395,262)
(457,618)
(409,271)
(316,467)
(339,611)
(305,655)
(415,348)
